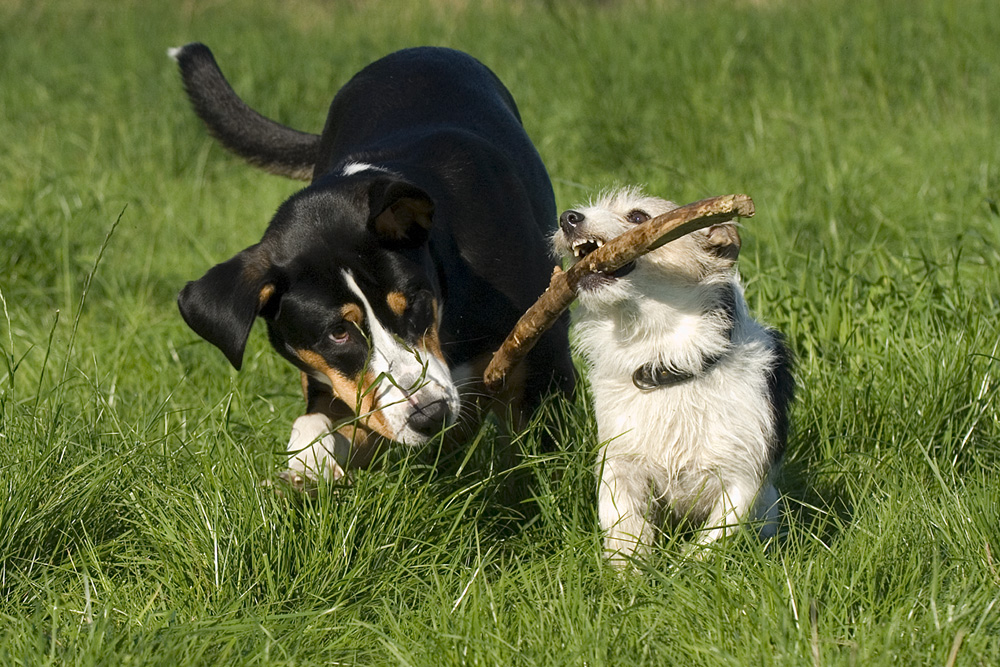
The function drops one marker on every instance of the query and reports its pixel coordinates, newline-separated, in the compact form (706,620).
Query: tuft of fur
(703,448)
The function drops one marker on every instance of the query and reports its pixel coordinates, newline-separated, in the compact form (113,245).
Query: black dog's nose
(430,419)
(570,219)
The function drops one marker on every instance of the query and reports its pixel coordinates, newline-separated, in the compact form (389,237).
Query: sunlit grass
(134,527)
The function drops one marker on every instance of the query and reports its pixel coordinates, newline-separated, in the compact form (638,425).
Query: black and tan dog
(393,275)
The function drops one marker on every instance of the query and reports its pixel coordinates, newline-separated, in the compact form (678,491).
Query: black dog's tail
(260,141)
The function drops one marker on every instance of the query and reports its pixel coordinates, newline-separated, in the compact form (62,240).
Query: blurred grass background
(133,528)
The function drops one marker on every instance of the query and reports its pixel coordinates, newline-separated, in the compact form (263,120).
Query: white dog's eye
(636,216)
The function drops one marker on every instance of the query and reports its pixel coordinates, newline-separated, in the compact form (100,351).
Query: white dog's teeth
(584,247)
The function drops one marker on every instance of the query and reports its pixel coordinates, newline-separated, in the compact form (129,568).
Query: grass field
(133,526)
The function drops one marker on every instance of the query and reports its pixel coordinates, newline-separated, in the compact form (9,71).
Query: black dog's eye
(340,334)
(636,216)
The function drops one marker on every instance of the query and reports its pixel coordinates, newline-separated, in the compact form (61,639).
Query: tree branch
(610,257)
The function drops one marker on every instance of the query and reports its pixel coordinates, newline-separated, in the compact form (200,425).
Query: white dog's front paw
(622,550)
(624,509)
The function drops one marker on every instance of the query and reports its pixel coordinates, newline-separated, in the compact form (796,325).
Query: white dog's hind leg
(767,511)
(315,450)
(624,507)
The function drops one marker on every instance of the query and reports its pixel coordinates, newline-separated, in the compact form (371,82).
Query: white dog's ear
(723,241)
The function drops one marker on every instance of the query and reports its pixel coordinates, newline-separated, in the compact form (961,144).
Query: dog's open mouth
(584,247)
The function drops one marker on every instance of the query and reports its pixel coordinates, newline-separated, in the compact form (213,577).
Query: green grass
(133,526)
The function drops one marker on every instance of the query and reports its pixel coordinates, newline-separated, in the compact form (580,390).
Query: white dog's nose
(570,219)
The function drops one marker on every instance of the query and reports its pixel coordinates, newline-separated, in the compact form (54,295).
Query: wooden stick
(610,257)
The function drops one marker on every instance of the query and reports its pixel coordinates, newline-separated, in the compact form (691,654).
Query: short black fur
(423,183)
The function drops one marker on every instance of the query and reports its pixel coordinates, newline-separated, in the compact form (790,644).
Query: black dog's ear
(723,241)
(222,305)
(400,213)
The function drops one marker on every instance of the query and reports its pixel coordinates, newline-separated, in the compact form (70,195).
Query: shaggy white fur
(700,445)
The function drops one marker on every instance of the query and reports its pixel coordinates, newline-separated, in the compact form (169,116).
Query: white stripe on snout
(410,377)
(388,355)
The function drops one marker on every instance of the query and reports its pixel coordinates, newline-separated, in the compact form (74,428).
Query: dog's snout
(430,419)
(570,219)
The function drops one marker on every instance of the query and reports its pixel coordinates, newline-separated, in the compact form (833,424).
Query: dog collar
(652,375)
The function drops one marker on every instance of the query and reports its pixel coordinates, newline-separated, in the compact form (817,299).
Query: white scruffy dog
(691,393)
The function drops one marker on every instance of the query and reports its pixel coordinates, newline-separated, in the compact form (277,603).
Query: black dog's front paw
(289,481)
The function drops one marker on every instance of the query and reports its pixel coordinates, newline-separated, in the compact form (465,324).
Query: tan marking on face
(363,440)
(432,343)
(376,422)
(352,313)
(344,388)
(266,292)
(431,340)
(397,302)
(351,392)
(305,385)
(365,444)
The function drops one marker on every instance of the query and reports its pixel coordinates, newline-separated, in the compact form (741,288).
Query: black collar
(652,375)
